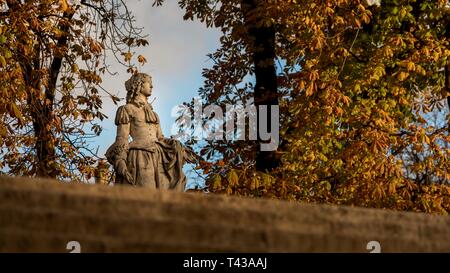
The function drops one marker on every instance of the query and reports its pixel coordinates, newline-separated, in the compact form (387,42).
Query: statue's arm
(123,131)
(120,164)
(118,152)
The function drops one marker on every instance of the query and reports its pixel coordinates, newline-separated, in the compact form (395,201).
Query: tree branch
(57,60)
(100,10)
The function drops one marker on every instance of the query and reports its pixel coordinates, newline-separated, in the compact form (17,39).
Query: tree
(52,58)
(248,48)
(357,81)
(379,79)
(261,46)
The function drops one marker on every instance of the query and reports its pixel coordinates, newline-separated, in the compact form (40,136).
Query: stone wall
(43,216)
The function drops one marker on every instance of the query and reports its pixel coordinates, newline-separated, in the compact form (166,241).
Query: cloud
(175,45)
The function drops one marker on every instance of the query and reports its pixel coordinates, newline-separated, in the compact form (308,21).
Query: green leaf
(394,10)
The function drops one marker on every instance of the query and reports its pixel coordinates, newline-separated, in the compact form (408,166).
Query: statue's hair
(134,85)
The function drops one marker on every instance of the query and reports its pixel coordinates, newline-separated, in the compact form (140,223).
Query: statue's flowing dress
(152,160)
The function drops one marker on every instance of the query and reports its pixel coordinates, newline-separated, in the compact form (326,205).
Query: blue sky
(176,56)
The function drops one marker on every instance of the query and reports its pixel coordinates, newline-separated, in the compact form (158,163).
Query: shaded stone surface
(43,216)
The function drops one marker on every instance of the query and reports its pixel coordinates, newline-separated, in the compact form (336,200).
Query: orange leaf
(142,59)
(402,76)
(63,5)
(310,89)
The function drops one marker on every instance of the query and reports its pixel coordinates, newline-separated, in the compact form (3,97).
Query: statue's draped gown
(152,160)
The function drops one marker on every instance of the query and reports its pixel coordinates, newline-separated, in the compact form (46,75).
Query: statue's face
(147,87)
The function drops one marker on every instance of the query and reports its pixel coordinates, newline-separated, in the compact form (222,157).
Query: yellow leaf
(329,11)
(410,66)
(346,100)
(267,180)
(254,183)
(233,178)
(127,56)
(216,182)
(2,61)
(75,68)
(338,20)
(392,188)
(402,76)
(388,52)
(403,101)
(310,157)
(365,18)
(16,111)
(310,89)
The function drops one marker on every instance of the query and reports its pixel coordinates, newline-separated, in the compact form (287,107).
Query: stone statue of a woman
(149,160)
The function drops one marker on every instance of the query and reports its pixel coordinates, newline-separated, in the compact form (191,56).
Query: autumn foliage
(52,58)
(363,100)
(363,92)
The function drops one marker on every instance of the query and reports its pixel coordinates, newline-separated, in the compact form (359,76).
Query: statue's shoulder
(124,114)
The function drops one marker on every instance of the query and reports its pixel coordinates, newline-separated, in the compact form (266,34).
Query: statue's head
(140,83)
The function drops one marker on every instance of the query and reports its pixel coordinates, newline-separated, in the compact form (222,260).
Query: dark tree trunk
(42,110)
(41,114)
(42,121)
(41,118)
(45,148)
(262,44)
